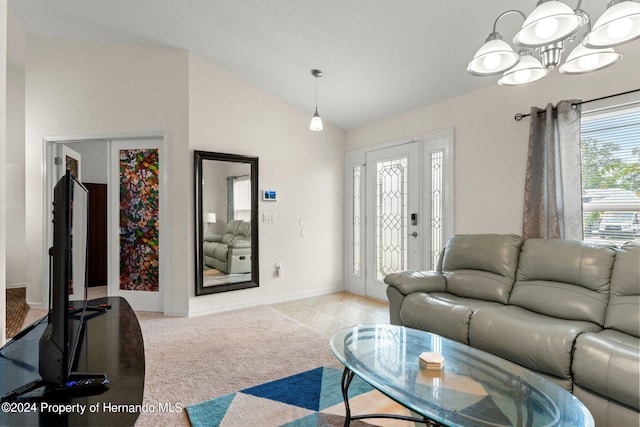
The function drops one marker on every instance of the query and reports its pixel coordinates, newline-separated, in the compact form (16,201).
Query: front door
(393,238)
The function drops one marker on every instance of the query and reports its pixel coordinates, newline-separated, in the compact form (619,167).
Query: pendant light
(316,121)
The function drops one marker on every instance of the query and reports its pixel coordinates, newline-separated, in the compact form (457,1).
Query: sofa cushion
(623,313)
(607,412)
(533,340)
(609,364)
(566,279)
(441,313)
(481,266)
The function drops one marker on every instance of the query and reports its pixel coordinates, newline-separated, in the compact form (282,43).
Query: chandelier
(546,30)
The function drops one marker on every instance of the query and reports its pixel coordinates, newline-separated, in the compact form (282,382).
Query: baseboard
(34,305)
(277,300)
(15,285)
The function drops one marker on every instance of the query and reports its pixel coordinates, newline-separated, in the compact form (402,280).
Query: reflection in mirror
(226,222)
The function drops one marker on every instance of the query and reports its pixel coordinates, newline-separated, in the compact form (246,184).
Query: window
(611,174)
(242,198)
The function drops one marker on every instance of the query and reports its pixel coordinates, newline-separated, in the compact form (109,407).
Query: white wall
(3,162)
(77,87)
(227,114)
(16,255)
(490,146)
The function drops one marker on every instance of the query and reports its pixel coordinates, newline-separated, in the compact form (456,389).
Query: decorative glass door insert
(139,220)
(391,213)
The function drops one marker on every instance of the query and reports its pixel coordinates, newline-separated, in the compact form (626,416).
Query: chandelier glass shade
(528,70)
(619,24)
(493,58)
(550,22)
(548,29)
(584,60)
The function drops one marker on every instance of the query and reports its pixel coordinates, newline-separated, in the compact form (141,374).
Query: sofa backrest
(567,279)
(244,230)
(481,266)
(623,312)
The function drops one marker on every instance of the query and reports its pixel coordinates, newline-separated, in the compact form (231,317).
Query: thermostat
(269,195)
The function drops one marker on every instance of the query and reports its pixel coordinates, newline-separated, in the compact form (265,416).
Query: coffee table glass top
(475,388)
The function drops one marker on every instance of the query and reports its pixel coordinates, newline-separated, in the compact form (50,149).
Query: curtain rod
(521,116)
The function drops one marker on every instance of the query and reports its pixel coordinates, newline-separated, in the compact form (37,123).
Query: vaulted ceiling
(379,57)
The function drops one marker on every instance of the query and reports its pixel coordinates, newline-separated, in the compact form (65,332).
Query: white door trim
(48,171)
(437,140)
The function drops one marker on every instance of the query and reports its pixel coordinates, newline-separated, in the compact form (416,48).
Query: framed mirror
(226,227)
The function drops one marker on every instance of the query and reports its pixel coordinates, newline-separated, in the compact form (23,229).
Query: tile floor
(327,314)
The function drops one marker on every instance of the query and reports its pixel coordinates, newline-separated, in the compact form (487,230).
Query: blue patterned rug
(311,398)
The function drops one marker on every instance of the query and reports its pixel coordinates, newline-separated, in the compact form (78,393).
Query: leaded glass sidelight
(437,209)
(357,208)
(391,213)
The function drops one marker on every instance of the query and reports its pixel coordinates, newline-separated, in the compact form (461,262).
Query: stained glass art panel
(139,220)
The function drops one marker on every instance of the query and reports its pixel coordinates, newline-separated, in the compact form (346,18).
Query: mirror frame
(199,156)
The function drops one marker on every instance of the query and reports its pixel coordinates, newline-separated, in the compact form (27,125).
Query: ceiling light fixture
(316,121)
(546,30)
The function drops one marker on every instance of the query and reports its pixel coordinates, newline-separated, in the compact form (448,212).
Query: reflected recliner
(567,310)
(229,253)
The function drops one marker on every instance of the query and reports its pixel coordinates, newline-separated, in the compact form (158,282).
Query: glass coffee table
(474,388)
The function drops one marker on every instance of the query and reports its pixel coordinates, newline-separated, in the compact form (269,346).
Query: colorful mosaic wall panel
(139,225)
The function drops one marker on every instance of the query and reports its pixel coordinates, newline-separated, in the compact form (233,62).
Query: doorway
(398,209)
(109,164)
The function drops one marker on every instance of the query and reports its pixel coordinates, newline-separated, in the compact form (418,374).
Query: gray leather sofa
(568,310)
(230,252)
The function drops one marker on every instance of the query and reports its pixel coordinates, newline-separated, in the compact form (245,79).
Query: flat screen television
(61,340)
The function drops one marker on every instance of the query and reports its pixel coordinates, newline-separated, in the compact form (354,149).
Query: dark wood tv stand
(112,344)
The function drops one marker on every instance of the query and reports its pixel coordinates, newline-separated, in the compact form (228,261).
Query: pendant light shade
(550,22)
(493,58)
(584,60)
(316,121)
(619,24)
(528,70)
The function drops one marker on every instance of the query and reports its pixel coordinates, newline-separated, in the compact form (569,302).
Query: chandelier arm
(508,12)
(579,5)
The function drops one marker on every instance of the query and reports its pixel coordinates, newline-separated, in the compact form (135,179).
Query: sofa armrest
(210,237)
(408,282)
(240,244)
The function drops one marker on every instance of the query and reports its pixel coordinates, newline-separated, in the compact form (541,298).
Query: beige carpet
(195,359)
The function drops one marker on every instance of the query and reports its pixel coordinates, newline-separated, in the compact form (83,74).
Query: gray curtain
(553,193)
(230,199)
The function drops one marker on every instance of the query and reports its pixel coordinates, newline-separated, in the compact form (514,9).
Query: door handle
(414,234)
